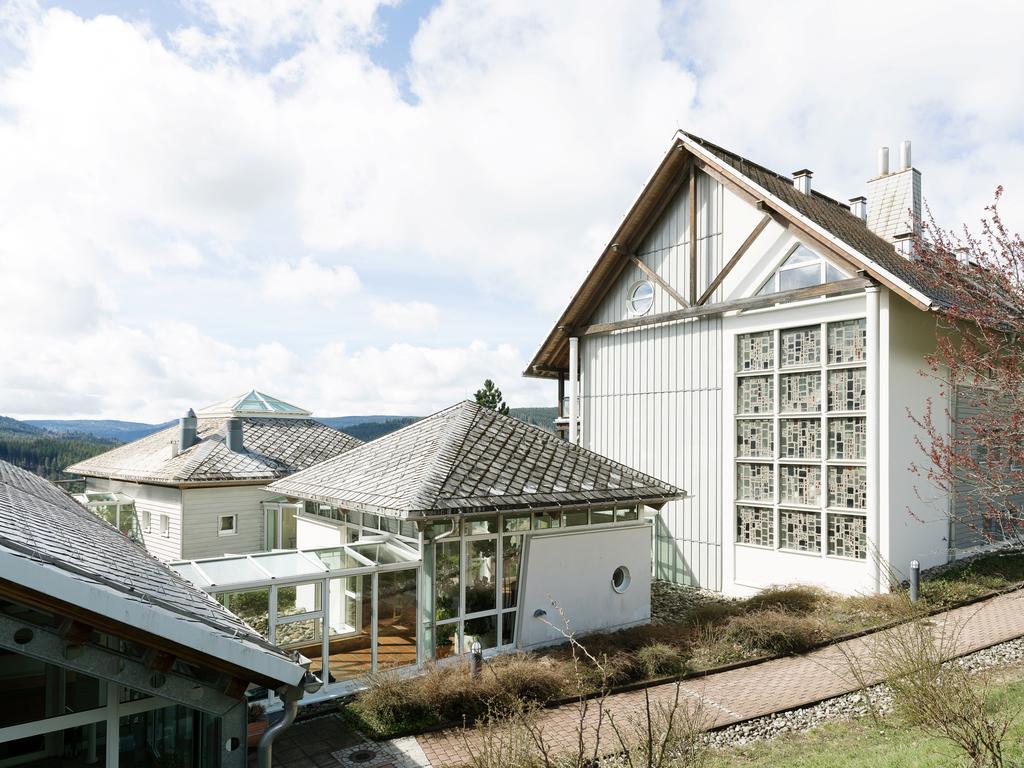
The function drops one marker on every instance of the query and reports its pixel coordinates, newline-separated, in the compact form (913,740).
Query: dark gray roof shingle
(467,458)
(274,447)
(43,524)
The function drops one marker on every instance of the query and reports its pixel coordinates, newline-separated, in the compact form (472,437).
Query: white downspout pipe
(574,389)
(265,751)
(873,473)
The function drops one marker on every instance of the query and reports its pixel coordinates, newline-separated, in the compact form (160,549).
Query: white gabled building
(198,488)
(751,340)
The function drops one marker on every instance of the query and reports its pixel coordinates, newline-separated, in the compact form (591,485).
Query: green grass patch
(890,744)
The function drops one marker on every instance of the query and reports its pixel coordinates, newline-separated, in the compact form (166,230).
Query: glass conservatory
(116,508)
(351,609)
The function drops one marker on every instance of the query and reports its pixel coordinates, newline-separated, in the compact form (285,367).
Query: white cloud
(264,128)
(413,318)
(309,281)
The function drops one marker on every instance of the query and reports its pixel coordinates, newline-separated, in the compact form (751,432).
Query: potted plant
(257,725)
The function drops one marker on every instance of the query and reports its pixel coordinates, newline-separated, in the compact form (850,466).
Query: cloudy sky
(369,207)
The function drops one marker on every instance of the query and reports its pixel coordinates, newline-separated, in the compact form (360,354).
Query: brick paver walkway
(774,686)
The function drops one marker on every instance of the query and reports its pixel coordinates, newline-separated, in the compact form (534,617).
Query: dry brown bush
(775,631)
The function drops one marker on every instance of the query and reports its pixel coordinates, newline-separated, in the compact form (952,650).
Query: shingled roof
(51,544)
(467,458)
(877,255)
(273,448)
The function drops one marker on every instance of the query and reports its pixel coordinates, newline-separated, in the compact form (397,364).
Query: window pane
(483,630)
(755,525)
(800,438)
(304,636)
(755,394)
(833,274)
(800,346)
(800,484)
(511,554)
(349,629)
(847,438)
(847,487)
(36,690)
(627,513)
(800,277)
(847,341)
(508,627)
(480,525)
(848,536)
(481,574)
(252,607)
(543,520)
(299,598)
(575,517)
(446,580)
(800,531)
(800,392)
(602,516)
(755,351)
(802,255)
(847,390)
(755,438)
(516,522)
(754,482)
(396,619)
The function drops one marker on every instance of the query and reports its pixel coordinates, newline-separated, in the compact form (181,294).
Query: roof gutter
(869,265)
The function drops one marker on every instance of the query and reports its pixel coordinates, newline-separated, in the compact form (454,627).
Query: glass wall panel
(576,517)
(478,525)
(396,619)
(481,575)
(172,736)
(598,516)
(351,612)
(34,690)
(508,627)
(511,558)
(447,639)
(304,636)
(81,746)
(483,630)
(299,598)
(252,607)
(446,583)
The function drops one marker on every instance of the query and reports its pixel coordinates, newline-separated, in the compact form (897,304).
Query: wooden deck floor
(392,651)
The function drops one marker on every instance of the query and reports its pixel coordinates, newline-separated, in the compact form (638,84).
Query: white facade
(186,523)
(662,398)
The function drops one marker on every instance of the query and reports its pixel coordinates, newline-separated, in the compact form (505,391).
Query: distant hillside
(371,430)
(539,417)
(46,452)
(105,429)
(340,422)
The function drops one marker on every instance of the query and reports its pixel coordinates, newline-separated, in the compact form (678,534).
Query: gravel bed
(670,602)
(851,705)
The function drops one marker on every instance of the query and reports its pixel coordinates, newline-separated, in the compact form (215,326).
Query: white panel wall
(918,512)
(202,508)
(157,500)
(585,591)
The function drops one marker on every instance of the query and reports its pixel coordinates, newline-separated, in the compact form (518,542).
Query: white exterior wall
(157,500)
(202,508)
(651,397)
(751,568)
(918,526)
(313,533)
(584,590)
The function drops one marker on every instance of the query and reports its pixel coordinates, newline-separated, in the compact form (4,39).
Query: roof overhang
(550,360)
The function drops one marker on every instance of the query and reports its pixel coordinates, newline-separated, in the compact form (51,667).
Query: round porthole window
(620,579)
(641,298)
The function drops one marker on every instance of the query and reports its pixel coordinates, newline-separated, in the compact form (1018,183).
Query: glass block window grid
(755,438)
(755,351)
(800,531)
(755,525)
(847,389)
(848,536)
(847,487)
(800,392)
(800,346)
(755,394)
(754,482)
(808,443)
(847,341)
(800,438)
(848,438)
(800,484)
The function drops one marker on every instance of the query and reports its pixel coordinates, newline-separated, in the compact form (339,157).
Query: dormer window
(641,298)
(802,268)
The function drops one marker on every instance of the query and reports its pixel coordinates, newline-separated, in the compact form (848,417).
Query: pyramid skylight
(254,403)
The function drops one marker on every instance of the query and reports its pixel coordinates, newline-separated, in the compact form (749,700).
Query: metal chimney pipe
(905,155)
(883,161)
(859,207)
(802,180)
(188,426)
(233,429)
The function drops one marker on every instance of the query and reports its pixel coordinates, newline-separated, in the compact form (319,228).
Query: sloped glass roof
(253,403)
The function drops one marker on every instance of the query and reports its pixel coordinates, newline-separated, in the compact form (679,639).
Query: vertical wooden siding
(652,397)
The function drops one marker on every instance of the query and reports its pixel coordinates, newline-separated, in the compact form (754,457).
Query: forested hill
(43,452)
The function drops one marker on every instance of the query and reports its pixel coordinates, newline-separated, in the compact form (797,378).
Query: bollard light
(476,658)
(915,580)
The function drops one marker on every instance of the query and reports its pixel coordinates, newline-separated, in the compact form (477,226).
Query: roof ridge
(466,417)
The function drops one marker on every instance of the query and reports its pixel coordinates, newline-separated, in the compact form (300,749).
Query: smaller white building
(466,527)
(199,488)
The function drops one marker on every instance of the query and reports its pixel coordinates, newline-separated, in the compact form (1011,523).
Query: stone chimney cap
(802,172)
(858,199)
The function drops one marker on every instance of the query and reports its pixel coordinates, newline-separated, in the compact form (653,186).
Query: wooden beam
(735,258)
(838,288)
(159,661)
(657,279)
(693,236)
(234,687)
(74,632)
(725,181)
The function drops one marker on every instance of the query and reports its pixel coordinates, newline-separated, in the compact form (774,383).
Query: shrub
(660,660)
(450,692)
(712,613)
(775,631)
(517,679)
(790,599)
(392,704)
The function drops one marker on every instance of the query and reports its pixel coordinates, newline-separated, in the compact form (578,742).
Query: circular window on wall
(641,298)
(620,579)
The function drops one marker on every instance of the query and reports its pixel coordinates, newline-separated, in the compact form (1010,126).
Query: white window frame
(774,279)
(147,521)
(165,525)
(776,461)
(631,298)
(233,531)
